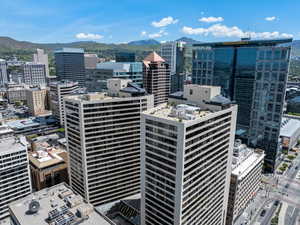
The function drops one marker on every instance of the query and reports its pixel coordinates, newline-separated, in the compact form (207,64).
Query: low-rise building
(57,205)
(14,172)
(245,179)
(48,166)
(289,133)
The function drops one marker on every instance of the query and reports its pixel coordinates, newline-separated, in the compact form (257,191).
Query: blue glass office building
(253,73)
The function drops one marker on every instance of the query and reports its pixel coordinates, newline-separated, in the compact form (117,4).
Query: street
(283,188)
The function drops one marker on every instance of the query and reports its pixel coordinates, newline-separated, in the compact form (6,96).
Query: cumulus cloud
(219,30)
(143,33)
(211,19)
(164,22)
(158,34)
(271,18)
(88,36)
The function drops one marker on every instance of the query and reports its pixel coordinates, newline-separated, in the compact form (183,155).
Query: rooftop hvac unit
(34,206)
(85,210)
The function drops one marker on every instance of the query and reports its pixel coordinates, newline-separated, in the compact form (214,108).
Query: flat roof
(69,50)
(267,42)
(289,127)
(12,144)
(167,112)
(245,165)
(50,199)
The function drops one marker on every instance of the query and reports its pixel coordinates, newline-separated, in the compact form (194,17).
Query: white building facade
(186,164)
(15,182)
(103,135)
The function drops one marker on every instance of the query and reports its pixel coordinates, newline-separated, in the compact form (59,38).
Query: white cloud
(143,33)
(219,30)
(164,22)
(158,34)
(211,19)
(88,36)
(271,18)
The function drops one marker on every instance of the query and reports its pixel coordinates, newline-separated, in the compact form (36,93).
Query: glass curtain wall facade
(254,75)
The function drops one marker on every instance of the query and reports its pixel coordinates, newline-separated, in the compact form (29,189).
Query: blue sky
(118,21)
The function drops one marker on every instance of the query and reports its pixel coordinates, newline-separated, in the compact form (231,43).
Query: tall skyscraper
(253,73)
(3,73)
(41,58)
(57,92)
(33,74)
(70,65)
(125,57)
(103,136)
(156,77)
(15,182)
(186,162)
(174,54)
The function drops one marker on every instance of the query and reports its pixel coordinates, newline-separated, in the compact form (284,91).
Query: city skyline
(102,21)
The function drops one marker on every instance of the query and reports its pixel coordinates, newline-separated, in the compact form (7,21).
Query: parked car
(263,213)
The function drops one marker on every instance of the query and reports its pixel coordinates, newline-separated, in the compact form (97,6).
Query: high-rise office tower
(90,61)
(186,162)
(15,182)
(174,54)
(156,77)
(70,65)
(253,73)
(103,136)
(3,73)
(37,100)
(125,57)
(96,79)
(57,92)
(41,58)
(33,74)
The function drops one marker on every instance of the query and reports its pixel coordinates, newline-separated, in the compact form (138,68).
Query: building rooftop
(247,43)
(119,66)
(53,206)
(123,212)
(69,50)
(244,159)
(153,57)
(289,126)
(12,144)
(180,113)
(4,129)
(47,156)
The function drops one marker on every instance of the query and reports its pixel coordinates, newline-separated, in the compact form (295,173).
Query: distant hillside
(24,49)
(144,42)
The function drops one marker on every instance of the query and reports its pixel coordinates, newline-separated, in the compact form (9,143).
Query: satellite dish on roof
(34,206)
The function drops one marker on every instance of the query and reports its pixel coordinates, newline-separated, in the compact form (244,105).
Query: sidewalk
(282,213)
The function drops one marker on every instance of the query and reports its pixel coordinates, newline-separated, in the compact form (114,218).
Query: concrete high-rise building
(69,64)
(15,182)
(245,180)
(103,136)
(37,101)
(33,74)
(3,73)
(125,57)
(58,90)
(90,61)
(186,163)
(156,78)
(41,58)
(253,73)
(96,79)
